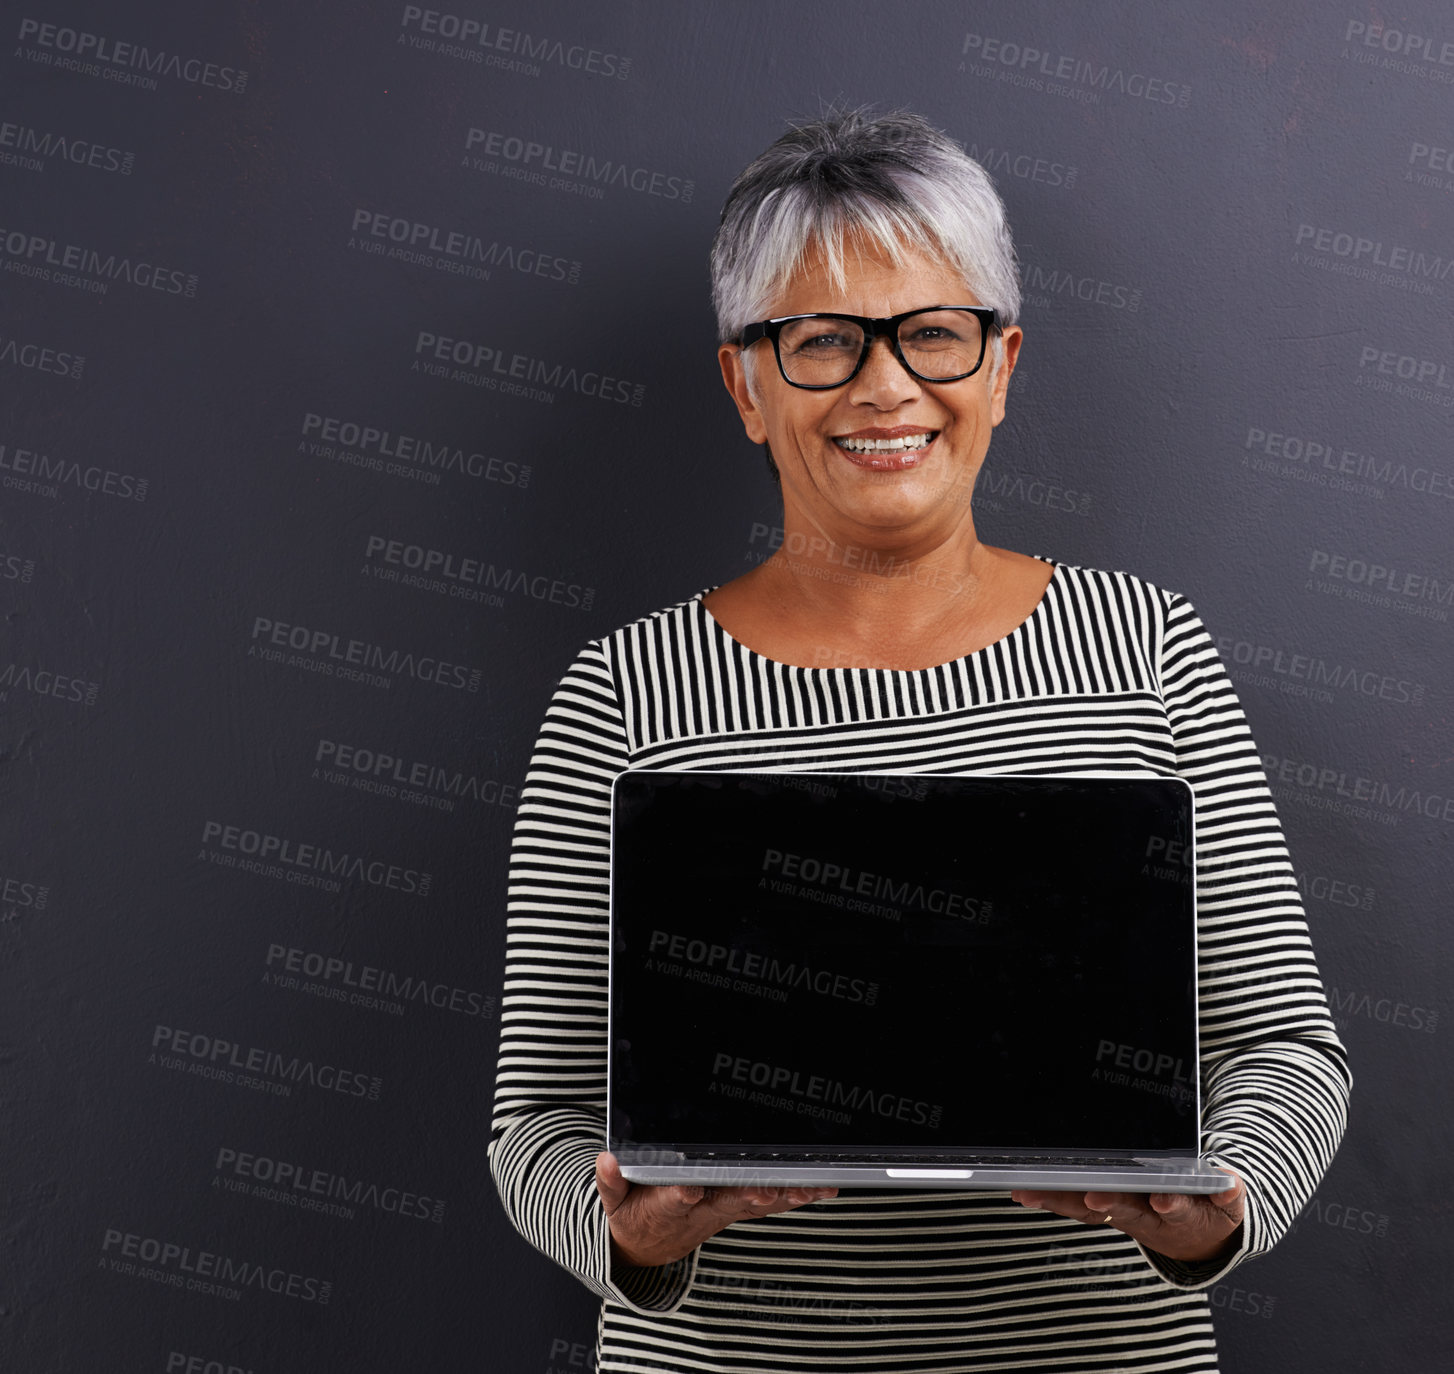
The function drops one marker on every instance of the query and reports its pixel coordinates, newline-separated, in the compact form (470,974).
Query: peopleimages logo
(1426,163)
(42,258)
(498,369)
(316,1190)
(203,1271)
(1327,788)
(25,469)
(310,865)
(814,1095)
(1323,887)
(1043,286)
(323,651)
(475,40)
(364,984)
(712,963)
(380,773)
(1413,54)
(45,682)
(1248,1301)
(363,445)
(1299,674)
(1343,1216)
(1004,162)
(836,884)
(14,568)
(450,250)
(1064,75)
(470,579)
(208,1056)
(1406,376)
(1355,255)
(884,786)
(807,554)
(16,895)
(1387,1010)
(1376,584)
(179,1362)
(1158,1065)
(1159,1073)
(28,147)
(1031,488)
(1346,470)
(567,169)
(124,62)
(41,358)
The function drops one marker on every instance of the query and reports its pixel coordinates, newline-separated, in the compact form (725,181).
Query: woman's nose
(883,381)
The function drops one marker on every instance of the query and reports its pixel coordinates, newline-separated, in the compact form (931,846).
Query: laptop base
(1145,1175)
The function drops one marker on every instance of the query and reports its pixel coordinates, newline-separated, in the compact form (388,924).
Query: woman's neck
(820,603)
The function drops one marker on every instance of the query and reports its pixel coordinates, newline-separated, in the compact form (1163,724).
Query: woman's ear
(733,363)
(1012,338)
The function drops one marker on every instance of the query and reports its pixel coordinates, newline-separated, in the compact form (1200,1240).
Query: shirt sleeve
(550,1088)
(1275,1080)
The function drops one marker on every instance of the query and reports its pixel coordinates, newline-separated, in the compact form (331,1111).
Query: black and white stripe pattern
(1107,674)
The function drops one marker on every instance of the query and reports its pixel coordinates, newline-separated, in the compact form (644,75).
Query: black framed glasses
(938,343)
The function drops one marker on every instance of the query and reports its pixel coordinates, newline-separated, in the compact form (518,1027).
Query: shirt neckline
(1036,613)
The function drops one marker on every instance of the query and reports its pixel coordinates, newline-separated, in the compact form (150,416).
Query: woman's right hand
(652,1226)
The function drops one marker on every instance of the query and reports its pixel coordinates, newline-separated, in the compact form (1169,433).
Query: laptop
(870,980)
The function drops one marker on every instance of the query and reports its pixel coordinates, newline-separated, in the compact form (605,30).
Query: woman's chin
(909,490)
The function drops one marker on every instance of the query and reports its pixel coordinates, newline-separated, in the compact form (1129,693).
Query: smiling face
(886,456)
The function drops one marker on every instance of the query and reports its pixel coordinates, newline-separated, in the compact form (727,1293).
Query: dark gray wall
(230,426)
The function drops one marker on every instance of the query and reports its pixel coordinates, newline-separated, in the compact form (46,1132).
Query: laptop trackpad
(930,1173)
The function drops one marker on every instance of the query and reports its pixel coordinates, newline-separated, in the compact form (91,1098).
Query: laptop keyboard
(921,1160)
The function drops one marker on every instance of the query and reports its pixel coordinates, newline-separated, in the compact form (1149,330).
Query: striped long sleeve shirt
(1107,674)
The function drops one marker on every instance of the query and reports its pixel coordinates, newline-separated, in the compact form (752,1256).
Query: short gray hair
(889,181)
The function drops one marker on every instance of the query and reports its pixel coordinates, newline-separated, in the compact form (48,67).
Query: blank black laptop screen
(888,962)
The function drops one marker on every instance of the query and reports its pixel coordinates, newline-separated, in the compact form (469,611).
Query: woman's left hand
(1180,1226)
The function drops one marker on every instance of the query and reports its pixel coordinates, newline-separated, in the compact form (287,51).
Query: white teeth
(912,441)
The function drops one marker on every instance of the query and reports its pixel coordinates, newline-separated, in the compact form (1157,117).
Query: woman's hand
(652,1226)
(1178,1225)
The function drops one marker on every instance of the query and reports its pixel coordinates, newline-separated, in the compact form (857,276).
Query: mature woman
(877,413)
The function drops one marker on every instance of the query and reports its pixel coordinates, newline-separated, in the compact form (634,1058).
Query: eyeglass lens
(937,344)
